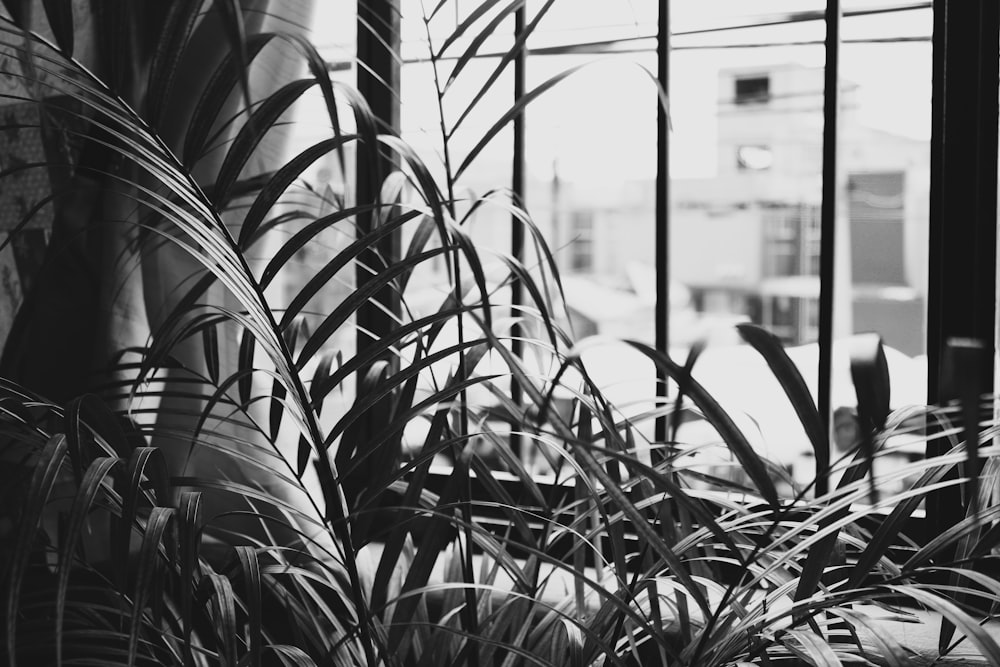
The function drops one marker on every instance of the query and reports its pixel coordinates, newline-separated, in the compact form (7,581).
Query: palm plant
(244,489)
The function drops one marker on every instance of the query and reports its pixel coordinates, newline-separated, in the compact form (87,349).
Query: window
(760,217)
(781,315)
(752,90)
(834,218)
(791,241)
(810,220)
(582,241)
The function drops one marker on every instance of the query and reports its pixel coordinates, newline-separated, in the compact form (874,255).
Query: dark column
(378,81)
(828,227)
(963,204)
(662,212)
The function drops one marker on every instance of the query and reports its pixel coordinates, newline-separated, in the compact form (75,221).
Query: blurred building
(745,243)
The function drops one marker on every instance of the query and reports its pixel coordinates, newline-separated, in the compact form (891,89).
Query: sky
(893,79)
(603,115)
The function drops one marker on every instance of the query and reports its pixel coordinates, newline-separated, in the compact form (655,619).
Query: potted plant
(205,499)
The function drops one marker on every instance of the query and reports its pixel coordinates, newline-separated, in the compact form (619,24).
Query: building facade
(745,242)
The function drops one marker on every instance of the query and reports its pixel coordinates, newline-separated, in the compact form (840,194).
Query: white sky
(893,79)
(603,116)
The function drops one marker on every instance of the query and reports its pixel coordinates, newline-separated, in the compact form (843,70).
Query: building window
(582,245)
(793,319)
(781,248)
(791,241)
(774,241)
(811,235)
(752,90)
(875,209)
(781,315)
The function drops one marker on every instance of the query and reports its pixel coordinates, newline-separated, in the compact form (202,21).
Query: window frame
(962,272)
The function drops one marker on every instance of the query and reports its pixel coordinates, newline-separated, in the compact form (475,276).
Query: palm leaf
(147,572)
(217,90)
(281,180)
(233,27)
(515,110)
(60,16)
(263,118)
(520,41)
(180,24)
(966,624)
(216,589)
(83,505)
(43,479)
(788,376)
(250,570)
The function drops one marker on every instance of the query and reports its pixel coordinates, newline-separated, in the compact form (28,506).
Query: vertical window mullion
(962,263)
(963,206)
(517,192)
(378,82)
(828,226)
(662,211)
(378,71)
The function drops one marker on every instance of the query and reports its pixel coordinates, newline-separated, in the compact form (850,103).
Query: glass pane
(591,154)
(448,107)
(591,190)
(885,153)
(325,188)
(746,153)
(885,170)
(746,167)
(746,163)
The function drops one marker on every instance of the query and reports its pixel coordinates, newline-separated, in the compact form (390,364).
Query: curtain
(81,283)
